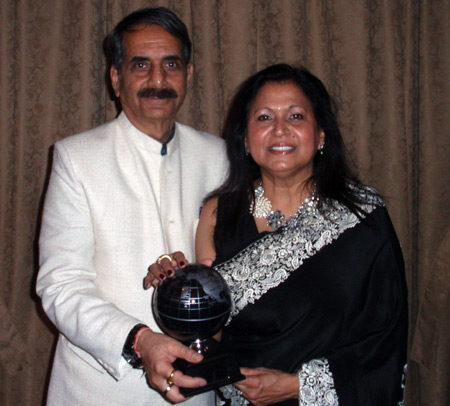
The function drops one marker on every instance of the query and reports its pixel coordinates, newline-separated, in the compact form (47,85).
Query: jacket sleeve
(95,328)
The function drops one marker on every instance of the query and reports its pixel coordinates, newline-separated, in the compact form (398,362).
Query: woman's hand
(164,268)
(266,386)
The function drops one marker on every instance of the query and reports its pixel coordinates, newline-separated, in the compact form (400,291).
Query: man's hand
(266,386)
(158,352)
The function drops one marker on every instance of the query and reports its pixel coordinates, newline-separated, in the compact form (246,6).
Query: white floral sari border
(266,263)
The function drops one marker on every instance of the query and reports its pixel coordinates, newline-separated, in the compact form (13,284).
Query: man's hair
(144,17)
(331,174)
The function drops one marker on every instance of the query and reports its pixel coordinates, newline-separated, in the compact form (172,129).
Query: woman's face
(282,133)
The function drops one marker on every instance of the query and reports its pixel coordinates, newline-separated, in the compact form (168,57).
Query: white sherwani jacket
(114,204)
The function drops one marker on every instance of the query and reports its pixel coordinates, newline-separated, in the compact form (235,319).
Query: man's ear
(189,72)
(115,80)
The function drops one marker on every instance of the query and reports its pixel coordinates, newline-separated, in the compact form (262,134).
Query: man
(119,196)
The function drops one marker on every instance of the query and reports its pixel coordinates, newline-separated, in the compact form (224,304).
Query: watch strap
(128,351)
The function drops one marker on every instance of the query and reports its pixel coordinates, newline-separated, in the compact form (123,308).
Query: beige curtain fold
(387,64)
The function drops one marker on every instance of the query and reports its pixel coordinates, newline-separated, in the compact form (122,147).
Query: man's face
(154,79)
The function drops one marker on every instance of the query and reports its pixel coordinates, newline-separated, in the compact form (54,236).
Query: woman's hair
(333,178)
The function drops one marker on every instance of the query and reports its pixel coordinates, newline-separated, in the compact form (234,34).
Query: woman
(309,252)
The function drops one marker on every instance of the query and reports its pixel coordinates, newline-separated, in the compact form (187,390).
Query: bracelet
(128,352)
(136,339)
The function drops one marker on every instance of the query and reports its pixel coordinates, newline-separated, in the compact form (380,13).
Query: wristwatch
(128,352)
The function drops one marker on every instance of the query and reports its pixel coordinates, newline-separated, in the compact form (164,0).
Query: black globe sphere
(193,305)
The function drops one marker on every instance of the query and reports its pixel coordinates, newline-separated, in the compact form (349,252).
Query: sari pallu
(332,291)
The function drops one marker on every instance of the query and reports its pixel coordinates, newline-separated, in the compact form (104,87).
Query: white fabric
(113,205)
(316,384)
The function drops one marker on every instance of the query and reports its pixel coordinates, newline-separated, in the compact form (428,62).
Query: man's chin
(154,104)
(158,112)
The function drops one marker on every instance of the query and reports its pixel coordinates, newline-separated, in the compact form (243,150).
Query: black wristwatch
(128,352)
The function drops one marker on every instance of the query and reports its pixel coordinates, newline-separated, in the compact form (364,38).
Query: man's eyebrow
(139,59)
(174,57)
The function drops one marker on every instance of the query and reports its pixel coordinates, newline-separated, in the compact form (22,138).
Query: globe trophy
(192,307)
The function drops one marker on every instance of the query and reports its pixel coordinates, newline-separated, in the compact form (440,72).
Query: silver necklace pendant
(275,219)
(262,208)
(261,205)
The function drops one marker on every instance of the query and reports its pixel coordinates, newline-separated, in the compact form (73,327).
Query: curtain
(385,62)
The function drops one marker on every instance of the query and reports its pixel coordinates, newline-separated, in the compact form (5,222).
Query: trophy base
(218,367)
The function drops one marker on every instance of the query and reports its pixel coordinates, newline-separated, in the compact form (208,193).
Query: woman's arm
(205,251)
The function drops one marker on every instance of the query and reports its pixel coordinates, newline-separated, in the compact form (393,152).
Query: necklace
(262,208)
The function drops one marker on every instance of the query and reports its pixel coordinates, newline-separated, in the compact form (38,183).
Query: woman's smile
(281,148)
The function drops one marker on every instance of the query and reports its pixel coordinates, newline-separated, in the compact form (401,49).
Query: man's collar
(143,139)
(164,145)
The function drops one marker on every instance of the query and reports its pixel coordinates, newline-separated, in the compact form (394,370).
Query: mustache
(151,92)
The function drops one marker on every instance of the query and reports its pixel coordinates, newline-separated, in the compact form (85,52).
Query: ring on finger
(161,257)
(169,387)
(170,378)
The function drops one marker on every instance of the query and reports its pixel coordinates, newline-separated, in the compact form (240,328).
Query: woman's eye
(263,117)
(297,116)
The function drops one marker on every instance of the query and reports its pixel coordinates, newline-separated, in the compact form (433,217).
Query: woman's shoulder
(358,202)
(210,205)
(373,208)
(228,199)
(366,196)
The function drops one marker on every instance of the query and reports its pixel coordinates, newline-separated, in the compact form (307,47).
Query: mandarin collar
(144,141)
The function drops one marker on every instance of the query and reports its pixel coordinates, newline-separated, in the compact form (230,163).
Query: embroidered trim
(267,262)
(316,384)
(231,397)
(405,370)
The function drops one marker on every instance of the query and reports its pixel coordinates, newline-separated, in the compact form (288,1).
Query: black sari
(334,290)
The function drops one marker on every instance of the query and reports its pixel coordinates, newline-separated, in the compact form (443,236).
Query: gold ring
(170,378)
(161,257)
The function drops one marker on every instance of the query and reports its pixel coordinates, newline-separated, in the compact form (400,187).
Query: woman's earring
(321,149)
(246,150)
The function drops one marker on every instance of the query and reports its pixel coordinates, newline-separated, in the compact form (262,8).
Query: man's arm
(67,273)
(71,299)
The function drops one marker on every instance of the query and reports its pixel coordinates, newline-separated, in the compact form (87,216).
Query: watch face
(135,362)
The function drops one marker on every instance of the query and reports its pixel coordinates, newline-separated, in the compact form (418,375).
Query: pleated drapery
(386,63)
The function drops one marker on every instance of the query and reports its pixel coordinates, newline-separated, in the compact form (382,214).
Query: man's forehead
(146,40)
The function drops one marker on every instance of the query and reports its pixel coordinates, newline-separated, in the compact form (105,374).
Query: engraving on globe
(195,304)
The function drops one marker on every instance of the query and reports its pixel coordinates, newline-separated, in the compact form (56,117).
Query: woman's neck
(286,194)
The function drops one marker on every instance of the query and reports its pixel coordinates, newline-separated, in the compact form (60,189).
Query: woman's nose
(280,128)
